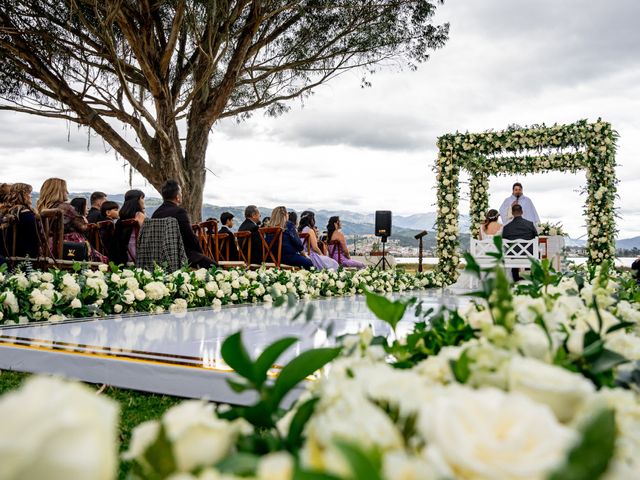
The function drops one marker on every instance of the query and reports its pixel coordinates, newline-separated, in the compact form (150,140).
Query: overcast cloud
(507,61)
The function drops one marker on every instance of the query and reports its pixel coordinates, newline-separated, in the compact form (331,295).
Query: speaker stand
(383,262)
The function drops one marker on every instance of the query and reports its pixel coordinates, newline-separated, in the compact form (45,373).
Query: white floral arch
(526,150)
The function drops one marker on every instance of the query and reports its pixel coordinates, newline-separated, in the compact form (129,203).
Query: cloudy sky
(507,62)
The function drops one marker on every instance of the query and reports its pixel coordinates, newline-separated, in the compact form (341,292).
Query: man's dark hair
(250,211)
(96,196)
(106,206)
(517,184)
(516,210)
(170,190)
(225,217)
(293,217)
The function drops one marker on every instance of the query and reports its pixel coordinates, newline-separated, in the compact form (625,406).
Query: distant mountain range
(403,229)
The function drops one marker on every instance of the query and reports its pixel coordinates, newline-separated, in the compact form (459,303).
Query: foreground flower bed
(56,295)
(539,381)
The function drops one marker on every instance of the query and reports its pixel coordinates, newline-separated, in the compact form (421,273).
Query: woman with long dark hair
(337,242)
(490,226)
(125,236)
(80,204)
(307,225)
(17,203)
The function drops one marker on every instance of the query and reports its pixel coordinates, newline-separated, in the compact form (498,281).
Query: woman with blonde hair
(54,195)
(17,203)
(292,248)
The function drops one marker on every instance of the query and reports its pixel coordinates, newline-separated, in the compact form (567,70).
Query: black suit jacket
(191,244)
(519,229)
(94,215)
(256,244)
(233,247)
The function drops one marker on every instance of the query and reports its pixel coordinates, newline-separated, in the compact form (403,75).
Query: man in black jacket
(518,229)
(172,198)
(251,224)
(226,220)
(96,200)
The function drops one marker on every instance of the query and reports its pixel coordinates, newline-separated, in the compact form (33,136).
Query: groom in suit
(518,229)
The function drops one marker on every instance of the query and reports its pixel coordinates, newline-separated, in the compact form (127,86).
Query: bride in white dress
(491,226)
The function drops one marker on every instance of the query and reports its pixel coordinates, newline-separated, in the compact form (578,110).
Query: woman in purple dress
(307,225)
(338,249)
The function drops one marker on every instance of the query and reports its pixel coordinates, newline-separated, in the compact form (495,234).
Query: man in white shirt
(517,198)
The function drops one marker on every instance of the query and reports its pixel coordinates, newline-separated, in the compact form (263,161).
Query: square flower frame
(525,150)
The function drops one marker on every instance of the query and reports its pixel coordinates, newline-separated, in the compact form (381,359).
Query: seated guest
(319,259)
(54,195)
(80,204)
(125,236)
(226,220)
(339,250)
(491,226)
(265,222)
(96,200)
(293,218)
(17,203)
(4,191)
(109,211)
(251,224)
(292,248)
(635,267)
(172,198)
(518,229)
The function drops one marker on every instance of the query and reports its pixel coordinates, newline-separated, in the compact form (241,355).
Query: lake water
(620,261)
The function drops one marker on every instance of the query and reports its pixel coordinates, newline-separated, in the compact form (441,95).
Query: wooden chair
(272,249)
(53,228)
(304,237)
(244,247)
(97,232)
(335,246)
(205,231)
(221,242)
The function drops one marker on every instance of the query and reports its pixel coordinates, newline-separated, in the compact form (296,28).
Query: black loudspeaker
(383,223)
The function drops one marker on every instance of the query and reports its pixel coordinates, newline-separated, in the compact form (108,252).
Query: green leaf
(240,464)
(472,265)
(300,419)
(298,369)
(268,358)
(619,326)
(301,474)
(362,465)
(235,355)
(385,309)
(606,361)
(159,455)
(460,368)
(590,458)
(238,387)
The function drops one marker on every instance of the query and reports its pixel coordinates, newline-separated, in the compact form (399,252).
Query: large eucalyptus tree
(169,69)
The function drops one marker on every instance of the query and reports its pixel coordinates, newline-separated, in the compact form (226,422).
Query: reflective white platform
(179,354)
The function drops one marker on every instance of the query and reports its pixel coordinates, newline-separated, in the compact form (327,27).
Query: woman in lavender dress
(307,225)
(338,245)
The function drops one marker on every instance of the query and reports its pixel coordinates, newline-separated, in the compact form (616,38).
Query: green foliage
(589,459)
(541,276)
(363,465)
(387,310)
(265,413)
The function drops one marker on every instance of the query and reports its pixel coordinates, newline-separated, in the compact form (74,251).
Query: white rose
(117,308)
(139,295)
(76,303)
(129,297)
(275,466)
(487,434)
(556,387)
(57,430)
(199,437)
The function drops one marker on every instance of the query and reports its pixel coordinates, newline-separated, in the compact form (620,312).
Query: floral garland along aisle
(58,295)
(525,150)
(536,382)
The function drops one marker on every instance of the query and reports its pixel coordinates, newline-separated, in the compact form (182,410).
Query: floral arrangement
(57,295)
(550,229)
(524,150)
(540,381)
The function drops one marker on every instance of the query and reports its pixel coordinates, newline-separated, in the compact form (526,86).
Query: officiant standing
(517,198)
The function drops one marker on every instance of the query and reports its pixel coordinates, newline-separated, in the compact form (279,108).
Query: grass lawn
(135,407)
